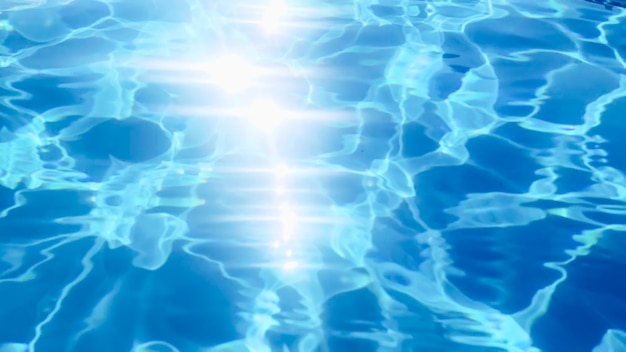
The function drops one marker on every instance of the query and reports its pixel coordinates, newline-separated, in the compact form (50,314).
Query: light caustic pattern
(284,175)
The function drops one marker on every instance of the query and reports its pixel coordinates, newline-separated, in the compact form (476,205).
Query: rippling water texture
(323,175)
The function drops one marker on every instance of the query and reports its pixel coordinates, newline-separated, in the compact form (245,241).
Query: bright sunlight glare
(274,13)
(265,114)
(232,73)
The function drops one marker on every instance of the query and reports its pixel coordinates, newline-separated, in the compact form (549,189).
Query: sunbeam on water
(294,175)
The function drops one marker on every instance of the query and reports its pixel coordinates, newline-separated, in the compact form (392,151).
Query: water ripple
(293,175)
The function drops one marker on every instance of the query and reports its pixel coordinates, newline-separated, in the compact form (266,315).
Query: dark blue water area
(57,256)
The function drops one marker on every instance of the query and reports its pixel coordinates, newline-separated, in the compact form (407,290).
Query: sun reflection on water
(255,95)
(295,165)
(275,13)
(232,73)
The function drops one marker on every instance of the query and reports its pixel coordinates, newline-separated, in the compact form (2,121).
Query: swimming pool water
(329,175)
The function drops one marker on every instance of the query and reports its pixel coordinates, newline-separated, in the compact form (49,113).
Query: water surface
(292,175)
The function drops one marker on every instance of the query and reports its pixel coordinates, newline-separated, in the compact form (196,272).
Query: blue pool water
(312,175)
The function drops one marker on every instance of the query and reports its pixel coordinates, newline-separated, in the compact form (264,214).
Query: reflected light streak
(264,114)
(290,265)
(289,222)
(232,73)
(274,13)
(281,171)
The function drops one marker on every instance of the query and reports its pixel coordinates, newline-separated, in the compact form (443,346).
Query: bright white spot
(288,253)
(290,265)
(289,225)
(265,114)
(276,244)
(274,13)
(232,73)
(281,170)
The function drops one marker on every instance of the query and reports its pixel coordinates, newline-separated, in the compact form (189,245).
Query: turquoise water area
(298,175)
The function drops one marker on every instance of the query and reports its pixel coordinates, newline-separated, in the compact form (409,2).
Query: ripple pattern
(295,175)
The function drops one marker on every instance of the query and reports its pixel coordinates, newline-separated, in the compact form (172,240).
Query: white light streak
(264,115)
(273,17)
(232,73)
